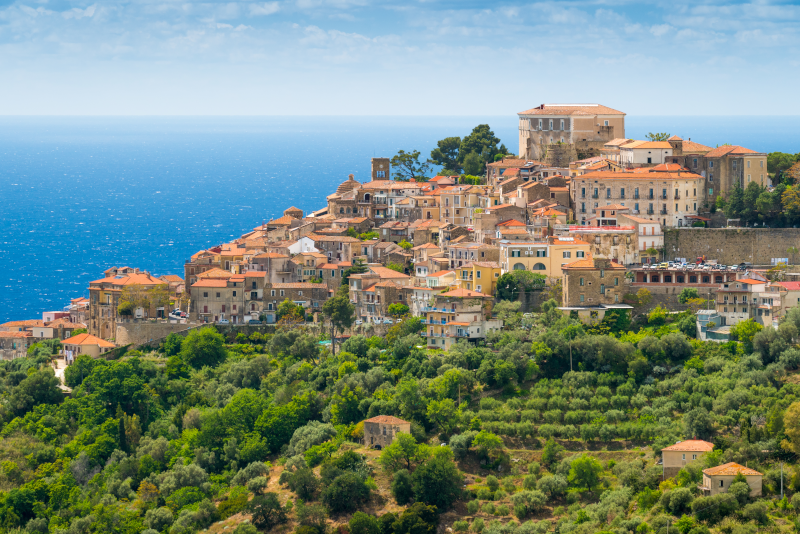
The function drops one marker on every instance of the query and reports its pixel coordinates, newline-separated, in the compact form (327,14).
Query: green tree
(584,472)
(443,413)
(403,453)
(744,332)
(362,523)
(267,511)
(405,245)
(203,347)
(407,167)
(39,387)
(340,313)
(345,493)
(358,267)
(734,206)
(437,481)
(398,309)
(395,267)
(552,452)
(403,487)
(487,443)
(446,154)
(663,136)
(688,293)
(483,143)
(507,287)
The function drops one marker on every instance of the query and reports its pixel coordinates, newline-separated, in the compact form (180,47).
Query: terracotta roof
(789,286)
(283,221)
(211,282)
(691,445)
(456,323)
(425,246)
(130,279)
(299,285)
(441,273)
(674,138)
(750,281)
(388,419)
(729,469)
(385,272)
(571,109)
(691,146)
(464,293)
(513,231)
(255,274)
(16,334)
(511,222)
(334,238)
(64,322)
(216,272)
(501,206)
(387,283)
(508,162)
(292,208)
(88,339)
(378,184)
(348,185)
(618,141)
(27,323)
(556,240)
(172,278)
(729,150)
(613,175)
(655,144)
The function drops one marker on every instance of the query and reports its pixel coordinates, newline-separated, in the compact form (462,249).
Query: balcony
(650,196)
(650,211)
(677,195)
(595,196)
(583,210)
(664,197)
(663,211)
(636,196)
(622,196)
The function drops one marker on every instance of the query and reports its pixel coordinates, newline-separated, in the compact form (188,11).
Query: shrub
(267,511)
(403,487)
(345,493)
(477,525)
(492,483)
(473,507)
(304,483)
(501,510)
(460,526)
(253,470)
(529,482)
(362,523)
(757,512)
(488,508)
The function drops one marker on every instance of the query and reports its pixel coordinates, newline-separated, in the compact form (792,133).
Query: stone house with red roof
(14,343)
(718,479)
(593,285)
(675,457)
(336,248)
(374,291)
(380,431)
(104,299)
(87,344)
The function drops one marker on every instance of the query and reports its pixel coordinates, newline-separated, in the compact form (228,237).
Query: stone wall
(139,332)
(732,245)
(560,155)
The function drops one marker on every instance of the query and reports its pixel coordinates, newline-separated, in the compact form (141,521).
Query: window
(205,294)
(234,307)
(605,123)
(281,292)
(217,295)
(541,253)
(515,253)
(608,193)
(694,457)
(721,483)
(710,191)
(583,192)
(551,124)
(272,293)
(581,282)
(540,124)
(234,293)
(683,456)
(748,163)
(622,192)
(694,162)
(580,254)
(616,281)
(602,289)
(478,275)
(566,254)
(562,127)
(602,273)
(380,174)
(581,298)
(223,308)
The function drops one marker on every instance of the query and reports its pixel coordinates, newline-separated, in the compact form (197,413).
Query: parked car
(388,321)
(223,321)
(359,322)
(253,321)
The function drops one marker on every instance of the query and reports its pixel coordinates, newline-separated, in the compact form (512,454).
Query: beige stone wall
(731,245)
(591,287)
(712,482)
(676,458)
(380,435)
(138,333)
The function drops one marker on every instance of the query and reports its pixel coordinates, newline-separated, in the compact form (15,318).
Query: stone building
(459,314)
(380,431)
(582,128)
(670,197)
(718,479)
(593,282)
(87,344)
(104,297)
(675,457)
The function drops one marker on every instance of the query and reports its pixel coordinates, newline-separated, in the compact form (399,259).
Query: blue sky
(413,57)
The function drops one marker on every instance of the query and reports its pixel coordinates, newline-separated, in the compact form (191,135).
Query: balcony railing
(677,195)
(663,211)
(650,196)
(650,211)
(595,195)
(636,196)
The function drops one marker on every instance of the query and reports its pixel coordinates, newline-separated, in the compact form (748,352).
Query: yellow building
(545,256)
(480,276)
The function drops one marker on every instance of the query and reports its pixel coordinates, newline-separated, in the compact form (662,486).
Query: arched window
(366,197)
(668,278)
(519,267)
(706,279)
(718,279)
(539,267)
(680,279)
(692,279)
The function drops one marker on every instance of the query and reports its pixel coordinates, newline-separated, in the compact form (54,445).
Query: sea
(81,194)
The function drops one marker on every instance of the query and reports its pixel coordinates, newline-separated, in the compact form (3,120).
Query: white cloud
(77,13)
(221,26)
(267,8)
(660,29)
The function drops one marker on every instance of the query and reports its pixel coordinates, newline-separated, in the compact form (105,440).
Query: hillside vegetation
(551,427)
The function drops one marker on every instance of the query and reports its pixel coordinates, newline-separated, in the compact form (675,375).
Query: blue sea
(81,194)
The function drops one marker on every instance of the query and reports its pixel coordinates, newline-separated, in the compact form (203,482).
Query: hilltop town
(596,335)
(580,199)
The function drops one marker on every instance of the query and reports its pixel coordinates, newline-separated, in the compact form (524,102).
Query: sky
(412,57)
